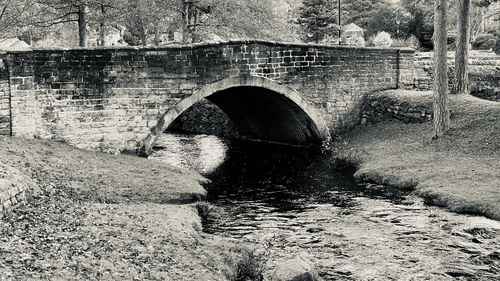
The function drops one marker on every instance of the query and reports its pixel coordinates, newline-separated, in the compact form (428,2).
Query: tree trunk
(157,33)
(102,27)
(82,25)
(461,83)
(186,36)
(440,104)
(143,32)
(144,37)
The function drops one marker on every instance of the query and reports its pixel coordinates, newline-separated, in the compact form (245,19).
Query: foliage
(376,15)
(420,23)
(206,20)
(147,22)
(250,265)
(409,42)
(244,19)
(355,41)
(485,41)
(382,39)
(318,19)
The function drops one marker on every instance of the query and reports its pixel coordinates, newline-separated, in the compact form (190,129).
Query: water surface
(291,201)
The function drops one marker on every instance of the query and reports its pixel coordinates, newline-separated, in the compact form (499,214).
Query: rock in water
(296,269)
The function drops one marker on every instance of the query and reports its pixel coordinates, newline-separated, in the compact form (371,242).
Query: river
(291,201)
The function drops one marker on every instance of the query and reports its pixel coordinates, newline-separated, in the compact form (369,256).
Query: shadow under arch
(263,109)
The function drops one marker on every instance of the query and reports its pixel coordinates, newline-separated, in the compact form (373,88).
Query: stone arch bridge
(125,97)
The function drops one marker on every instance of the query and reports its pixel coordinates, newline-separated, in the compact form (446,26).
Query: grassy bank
(460,171)
(105,217)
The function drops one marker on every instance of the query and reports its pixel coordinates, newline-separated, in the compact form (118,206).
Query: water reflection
(295,201)
(285,178)
(202,153)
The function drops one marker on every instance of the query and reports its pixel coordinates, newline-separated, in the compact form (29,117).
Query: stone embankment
(382,106)
(13,187)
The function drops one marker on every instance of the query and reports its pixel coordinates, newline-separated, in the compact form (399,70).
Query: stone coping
(212,44)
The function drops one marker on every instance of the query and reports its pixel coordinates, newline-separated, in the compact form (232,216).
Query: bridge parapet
(115,96)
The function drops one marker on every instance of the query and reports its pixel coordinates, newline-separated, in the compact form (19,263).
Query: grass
(97,216)
(206,211)
(249,265)
(100,177)
(459,171)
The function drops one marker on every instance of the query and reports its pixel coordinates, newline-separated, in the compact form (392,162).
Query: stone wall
(87,97)
(486,86)
(401,105)
(4,107)
(484,71)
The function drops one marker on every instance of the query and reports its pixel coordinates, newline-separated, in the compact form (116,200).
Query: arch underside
(263,115)
(261,109)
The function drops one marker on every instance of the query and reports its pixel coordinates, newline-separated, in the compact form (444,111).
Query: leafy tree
(376,15)
(318,19)
(420,22)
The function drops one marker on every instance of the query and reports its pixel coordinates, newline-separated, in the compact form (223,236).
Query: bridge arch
(314,127)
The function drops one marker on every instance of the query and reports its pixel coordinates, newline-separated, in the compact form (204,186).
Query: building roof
(13,44)
(352,27)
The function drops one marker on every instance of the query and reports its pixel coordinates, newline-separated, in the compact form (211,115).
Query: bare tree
(15,15)
(106,14)
(54,12)
(440,104)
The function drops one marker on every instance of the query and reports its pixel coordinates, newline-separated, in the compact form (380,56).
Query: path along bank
(459,171)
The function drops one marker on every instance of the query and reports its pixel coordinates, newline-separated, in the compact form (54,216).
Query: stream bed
(291,202)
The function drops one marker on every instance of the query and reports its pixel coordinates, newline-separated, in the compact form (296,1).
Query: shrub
(490,44)
(413,42)
(382,39)
(330,40)
(250,265)
(398,42)
(410,42)
(484,41)
(355,41)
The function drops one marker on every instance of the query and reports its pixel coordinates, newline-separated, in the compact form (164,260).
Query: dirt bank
(459,171)
(105,217)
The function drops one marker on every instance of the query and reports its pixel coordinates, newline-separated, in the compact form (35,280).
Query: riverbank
(459,171)
(97,216)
